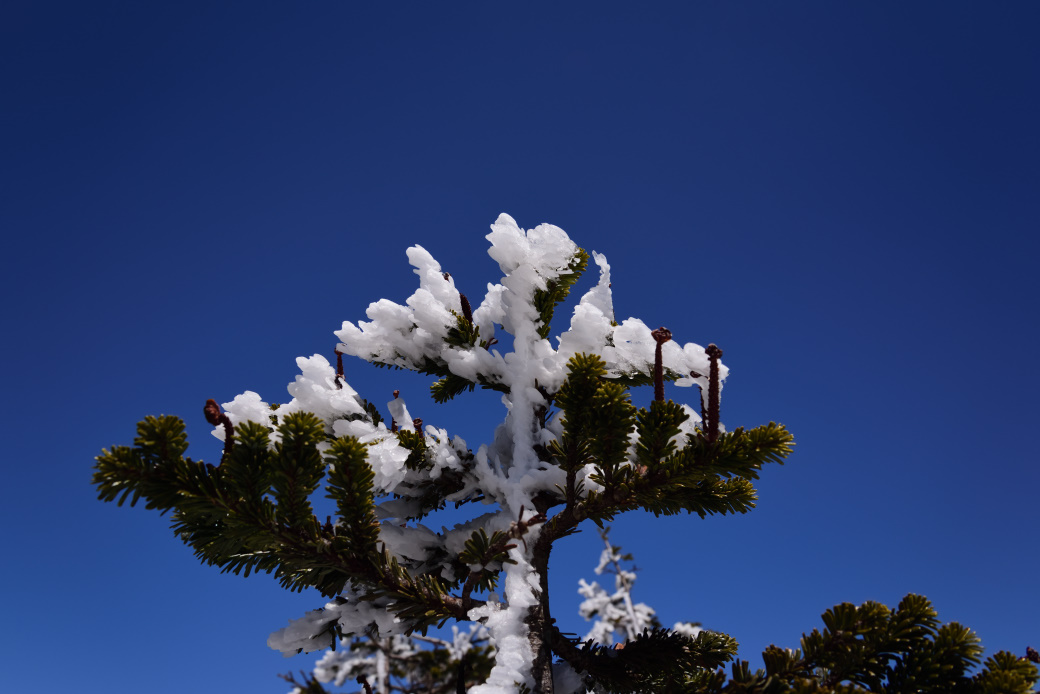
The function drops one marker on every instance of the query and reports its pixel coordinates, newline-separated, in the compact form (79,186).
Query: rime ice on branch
(571,449)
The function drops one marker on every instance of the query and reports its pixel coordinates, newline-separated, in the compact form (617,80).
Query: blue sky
(844,196)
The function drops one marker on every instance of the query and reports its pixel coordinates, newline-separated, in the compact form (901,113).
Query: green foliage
(609,422)
(658,429)
(444,389)
(658,660)
(350,486)
(253,512)
(870,648)
(415,442)
(466,335)
(487,553)
(598,418)
(297,467)
(701,477)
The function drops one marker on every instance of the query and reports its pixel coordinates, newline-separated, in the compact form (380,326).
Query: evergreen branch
(658,660)
(658,429)
(703,478)
(350,486)
(298,467)
(869,648)
(638,379)
(415,442)
(309,685)
(446,388)
(223,515)
(421,600)
(245,468)
(481,550)
(611,419)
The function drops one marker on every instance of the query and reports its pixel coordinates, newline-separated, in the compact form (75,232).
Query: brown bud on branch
(661,335)
(215,417)
(467,310)
(712,422)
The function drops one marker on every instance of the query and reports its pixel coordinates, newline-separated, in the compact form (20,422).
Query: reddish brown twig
(215,417)
(467,310)
(339,369)
(661,335)
(393,422)
(363,681)
(712,422)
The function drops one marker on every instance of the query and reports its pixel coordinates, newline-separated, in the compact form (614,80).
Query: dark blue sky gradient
(844,196)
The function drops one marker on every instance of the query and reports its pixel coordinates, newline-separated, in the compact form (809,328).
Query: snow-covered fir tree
(414,664)
(571,451)
(615,617)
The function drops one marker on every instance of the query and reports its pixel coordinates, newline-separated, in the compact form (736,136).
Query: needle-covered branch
(253,513)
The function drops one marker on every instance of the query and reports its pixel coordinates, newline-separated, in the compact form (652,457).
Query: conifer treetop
(431,334)
(571,449)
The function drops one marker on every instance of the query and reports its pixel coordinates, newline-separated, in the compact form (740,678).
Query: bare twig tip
(661,335)
(215,417)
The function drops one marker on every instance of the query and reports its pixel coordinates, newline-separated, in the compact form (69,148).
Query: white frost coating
(410,543)
(591,326)
(505,622)
(355,616)
(399,411)
(614,614)
(402,335)
(337,667)
(687,629)
(315,391)
(304,634)
(506,470)
(247,407)
(462,641)
(432,280)
(546,249)
(610,613)
(566,680)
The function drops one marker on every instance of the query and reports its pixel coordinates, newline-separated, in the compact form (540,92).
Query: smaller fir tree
(615,616)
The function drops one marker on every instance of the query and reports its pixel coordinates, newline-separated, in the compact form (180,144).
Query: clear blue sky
(844,196)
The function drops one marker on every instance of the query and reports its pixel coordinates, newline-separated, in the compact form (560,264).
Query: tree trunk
(539,622)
